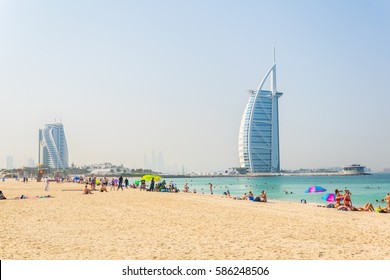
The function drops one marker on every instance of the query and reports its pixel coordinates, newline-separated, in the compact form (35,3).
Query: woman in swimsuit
(338,198)
(347,199)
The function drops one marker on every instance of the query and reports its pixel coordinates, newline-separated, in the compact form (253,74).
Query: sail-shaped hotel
(258,143)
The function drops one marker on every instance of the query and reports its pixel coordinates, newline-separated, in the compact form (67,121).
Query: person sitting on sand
(263,196)
(143,185)
(387,199)
(347,200)
(339,197)
(186,188)
(103,188)
(244,197)
(86,190)
(250,195)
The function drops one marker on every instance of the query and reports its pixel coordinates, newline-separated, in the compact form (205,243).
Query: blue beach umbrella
(315,189)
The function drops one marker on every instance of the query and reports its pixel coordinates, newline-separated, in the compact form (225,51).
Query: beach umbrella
(315,189)
(136,182)
(330,197)
(148,177)
(77,178)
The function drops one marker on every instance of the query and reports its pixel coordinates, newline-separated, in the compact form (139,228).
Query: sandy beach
(133,224)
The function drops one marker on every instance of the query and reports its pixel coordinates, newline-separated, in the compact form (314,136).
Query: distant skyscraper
(53,147)
(10,162)
(259,132)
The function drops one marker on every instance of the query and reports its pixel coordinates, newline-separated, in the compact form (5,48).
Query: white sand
(131,224)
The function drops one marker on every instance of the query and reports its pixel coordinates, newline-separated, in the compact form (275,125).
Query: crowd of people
(153,186)
(120,183)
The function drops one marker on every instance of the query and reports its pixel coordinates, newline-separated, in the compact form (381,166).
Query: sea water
(364,188)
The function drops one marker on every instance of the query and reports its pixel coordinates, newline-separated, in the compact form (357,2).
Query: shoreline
(133,224)
(264,175)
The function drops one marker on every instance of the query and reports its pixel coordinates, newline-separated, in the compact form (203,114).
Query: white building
(259,132)
(53,147)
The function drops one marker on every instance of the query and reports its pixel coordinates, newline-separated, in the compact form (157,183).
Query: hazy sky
(130,77)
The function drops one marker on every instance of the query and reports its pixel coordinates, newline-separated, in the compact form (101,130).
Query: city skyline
(127,78)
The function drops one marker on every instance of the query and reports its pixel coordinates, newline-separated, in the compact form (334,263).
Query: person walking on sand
(211,188)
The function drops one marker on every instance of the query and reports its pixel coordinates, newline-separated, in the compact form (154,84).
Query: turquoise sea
(365,188)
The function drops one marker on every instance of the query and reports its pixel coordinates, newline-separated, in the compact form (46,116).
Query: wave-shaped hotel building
(53,146)
(259,131)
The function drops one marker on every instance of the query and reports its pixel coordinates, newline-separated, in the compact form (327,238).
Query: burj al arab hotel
(258,142)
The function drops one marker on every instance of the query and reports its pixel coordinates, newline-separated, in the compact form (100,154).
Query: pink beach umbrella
(330,197)
(315,189)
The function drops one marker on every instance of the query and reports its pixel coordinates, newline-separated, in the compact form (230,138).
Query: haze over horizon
(131,77)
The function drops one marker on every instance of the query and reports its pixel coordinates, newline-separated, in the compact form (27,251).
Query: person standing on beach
(93,183)
(152,185)
(112,184)
(46,182)
(387,199)
(211,188)
(120,182)
(126,183)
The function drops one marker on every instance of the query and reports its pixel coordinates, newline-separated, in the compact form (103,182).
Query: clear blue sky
(130,77)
